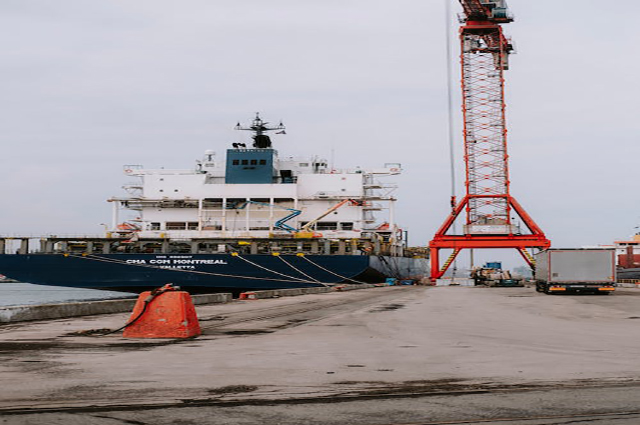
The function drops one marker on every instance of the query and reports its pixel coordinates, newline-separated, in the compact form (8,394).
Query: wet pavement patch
(27,346)
(387,307)
(140,345)
(233,389)
(90,332)
(248,332)
(417,387)
(212,318)
(124,421)
(65,346)
(361,383)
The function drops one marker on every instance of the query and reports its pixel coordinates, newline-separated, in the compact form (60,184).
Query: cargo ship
(255,220)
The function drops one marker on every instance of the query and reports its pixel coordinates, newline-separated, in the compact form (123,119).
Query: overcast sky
(87,86)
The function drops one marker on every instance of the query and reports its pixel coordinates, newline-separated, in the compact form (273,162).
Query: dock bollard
(248,296)
(163,313)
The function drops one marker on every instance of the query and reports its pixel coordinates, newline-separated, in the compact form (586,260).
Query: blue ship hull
(202,273)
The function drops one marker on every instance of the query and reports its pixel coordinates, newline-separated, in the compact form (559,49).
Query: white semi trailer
(576,270)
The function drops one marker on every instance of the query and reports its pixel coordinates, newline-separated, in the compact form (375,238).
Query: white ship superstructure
(256,193)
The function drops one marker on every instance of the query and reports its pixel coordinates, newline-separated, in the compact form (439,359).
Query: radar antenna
(259,128)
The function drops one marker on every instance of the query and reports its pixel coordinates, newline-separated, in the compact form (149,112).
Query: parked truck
(576,270)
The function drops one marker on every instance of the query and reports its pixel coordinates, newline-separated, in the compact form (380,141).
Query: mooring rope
(333,273)
(271,271)
(298,270)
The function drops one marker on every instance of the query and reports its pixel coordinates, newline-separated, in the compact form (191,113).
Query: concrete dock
(389,355)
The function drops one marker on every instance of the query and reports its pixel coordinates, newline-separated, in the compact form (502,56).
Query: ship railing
(103,245)
(18,236)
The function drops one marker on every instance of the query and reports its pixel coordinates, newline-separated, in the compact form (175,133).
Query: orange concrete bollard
(170,314)
(248,296)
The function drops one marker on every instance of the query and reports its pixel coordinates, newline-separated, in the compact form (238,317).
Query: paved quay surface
(394,355)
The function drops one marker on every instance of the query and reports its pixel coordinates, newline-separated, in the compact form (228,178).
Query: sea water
(19,293)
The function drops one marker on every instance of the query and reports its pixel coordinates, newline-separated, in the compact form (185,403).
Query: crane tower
(488,203)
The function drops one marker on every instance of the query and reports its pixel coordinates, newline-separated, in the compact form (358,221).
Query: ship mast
(259,128)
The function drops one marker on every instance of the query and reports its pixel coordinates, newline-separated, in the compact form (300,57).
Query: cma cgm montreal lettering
(255,220)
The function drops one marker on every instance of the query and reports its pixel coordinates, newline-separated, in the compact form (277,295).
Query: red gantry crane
(488,202)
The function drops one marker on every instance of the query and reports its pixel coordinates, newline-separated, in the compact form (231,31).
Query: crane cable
(450,101)
(450,117)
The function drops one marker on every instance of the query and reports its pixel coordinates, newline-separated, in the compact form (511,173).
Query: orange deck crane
(488,202)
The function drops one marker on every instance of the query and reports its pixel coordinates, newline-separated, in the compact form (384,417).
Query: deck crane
(305,231)
(488,202)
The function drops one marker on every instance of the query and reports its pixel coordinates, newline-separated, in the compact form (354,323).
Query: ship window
(155,226)
(263,162)
(254,162)
(161,190)
(236,162)
(346,226)
(304,164)
(176,225)
(245,162)
(327,225)
(192,225)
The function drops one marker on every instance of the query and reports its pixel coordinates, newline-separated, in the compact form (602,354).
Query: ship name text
(166,262)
